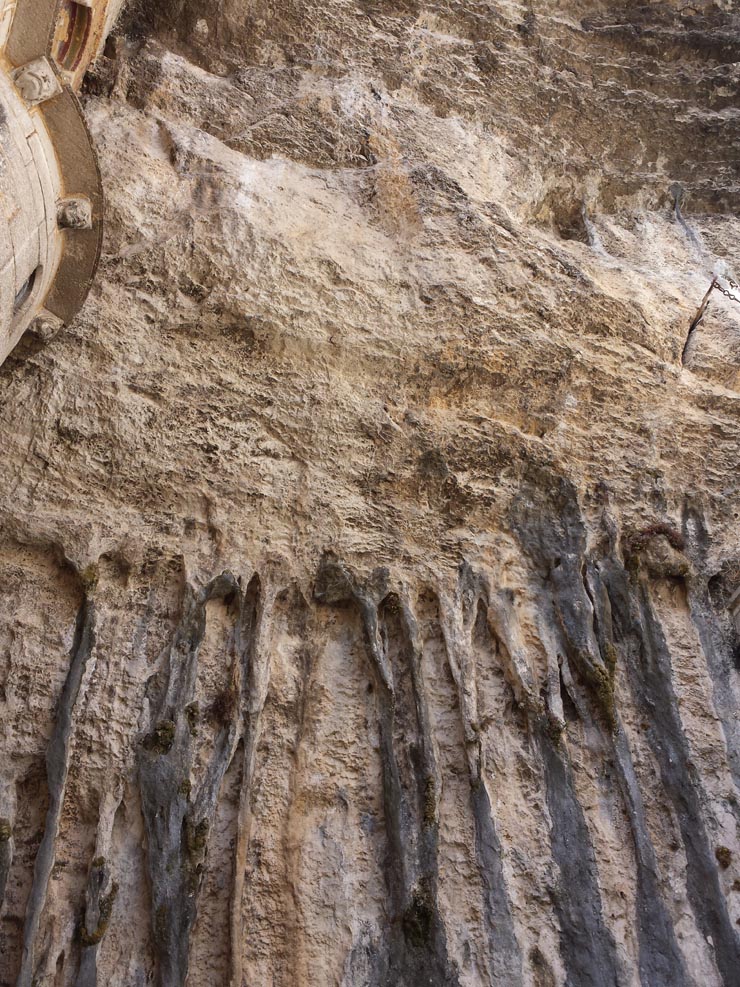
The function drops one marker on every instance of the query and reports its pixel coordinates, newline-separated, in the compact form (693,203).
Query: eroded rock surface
(370,562)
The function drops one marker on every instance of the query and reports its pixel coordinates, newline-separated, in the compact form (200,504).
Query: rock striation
(369,543)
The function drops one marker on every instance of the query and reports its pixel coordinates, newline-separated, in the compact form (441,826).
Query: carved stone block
(46,326)
(36,81)
(74,213)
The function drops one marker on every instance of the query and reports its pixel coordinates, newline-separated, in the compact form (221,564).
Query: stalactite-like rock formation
(369,558)
(382,778)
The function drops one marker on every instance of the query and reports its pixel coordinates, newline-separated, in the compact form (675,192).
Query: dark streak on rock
(98,908)
(415,948)
(505,959)
(546,519)
(716,632)
(638,632)
(177,820)
(6,855)
(660,961)
(587,946)
(57,768)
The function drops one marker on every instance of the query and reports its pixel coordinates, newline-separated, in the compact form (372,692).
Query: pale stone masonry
(48,169)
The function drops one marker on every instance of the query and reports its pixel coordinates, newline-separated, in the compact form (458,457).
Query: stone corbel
(74,213)
(46,326)
(37,81)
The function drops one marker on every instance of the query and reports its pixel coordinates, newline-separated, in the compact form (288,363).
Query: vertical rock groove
(718,636)
(178,811)
(588,947)
(584,607)
(57,767)
(100,897)
(471,603)
(6,855)
(207,697)
(505,958)
(637,629)
(253,682)
(416,950)
(660,959)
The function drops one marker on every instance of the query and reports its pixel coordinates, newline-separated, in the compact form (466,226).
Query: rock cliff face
(369,556)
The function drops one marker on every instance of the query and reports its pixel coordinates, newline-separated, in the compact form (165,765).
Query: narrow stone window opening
(24,292)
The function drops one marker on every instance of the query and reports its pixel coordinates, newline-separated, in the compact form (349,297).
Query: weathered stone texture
(369,559)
